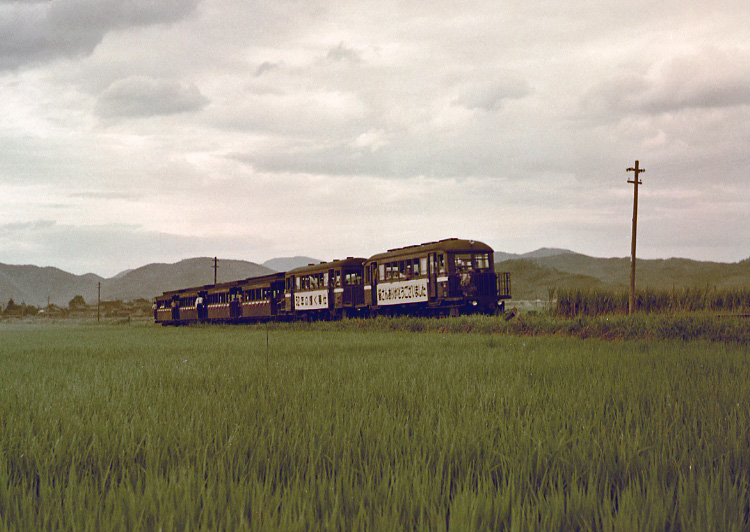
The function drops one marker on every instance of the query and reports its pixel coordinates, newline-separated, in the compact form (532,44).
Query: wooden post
(266,346)
(636,182)
(98,300)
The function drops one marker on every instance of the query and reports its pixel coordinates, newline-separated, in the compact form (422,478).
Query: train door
(374,284)
(175,304)
(331,294)
(431,276)
(201,306)
(289,294)
(235,303)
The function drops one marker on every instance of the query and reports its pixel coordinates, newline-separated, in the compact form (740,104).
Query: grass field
(359,427)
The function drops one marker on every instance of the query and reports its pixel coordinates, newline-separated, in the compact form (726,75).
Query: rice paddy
(366,428)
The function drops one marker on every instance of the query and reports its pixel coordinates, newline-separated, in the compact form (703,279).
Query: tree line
(77,307)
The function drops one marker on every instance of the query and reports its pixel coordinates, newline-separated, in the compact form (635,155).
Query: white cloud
(136,97)
(34,32)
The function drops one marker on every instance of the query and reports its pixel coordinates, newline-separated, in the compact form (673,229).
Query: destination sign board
(403,292)
(313,300)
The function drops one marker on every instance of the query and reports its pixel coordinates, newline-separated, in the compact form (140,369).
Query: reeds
(575,302)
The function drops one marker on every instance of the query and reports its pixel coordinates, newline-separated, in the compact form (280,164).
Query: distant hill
(153,279)
(532,278)
(33,285)
(284,264)
(541,252)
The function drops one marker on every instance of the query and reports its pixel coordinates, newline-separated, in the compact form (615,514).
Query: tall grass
(594,302)
(121,428)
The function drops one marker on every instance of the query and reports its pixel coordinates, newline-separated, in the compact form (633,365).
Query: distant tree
(11,307)
(77,302)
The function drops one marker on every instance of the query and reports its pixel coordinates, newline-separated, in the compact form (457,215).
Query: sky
(135,131)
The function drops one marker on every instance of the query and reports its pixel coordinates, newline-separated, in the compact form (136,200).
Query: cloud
(137,97)
(710,78)
(489,97)
(266,66)
(343,53)
(37,32)
(107,249)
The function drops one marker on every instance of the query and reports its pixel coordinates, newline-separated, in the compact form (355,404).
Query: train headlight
(474,303)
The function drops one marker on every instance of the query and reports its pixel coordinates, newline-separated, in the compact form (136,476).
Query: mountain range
(37,286)
(532,276)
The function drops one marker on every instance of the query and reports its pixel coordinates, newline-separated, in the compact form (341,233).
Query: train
(449,277)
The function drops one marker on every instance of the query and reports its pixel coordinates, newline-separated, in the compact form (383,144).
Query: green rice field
(362,427)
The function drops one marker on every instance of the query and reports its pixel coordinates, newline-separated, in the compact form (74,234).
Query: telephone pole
(636,182)
(216,268)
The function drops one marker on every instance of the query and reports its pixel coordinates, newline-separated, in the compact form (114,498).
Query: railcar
(329,290)
(444,278)
(262,297)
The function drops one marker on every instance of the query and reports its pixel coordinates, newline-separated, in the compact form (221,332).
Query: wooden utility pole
(636,182)
(98,300)
(216,268)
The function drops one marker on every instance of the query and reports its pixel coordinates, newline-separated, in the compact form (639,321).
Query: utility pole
(216,268)
(98,300)
(636,182)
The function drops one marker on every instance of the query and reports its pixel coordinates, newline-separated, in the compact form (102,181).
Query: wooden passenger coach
(448,277)
(262,297)
(329,290)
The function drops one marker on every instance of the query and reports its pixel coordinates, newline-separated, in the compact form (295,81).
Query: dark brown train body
(445,278)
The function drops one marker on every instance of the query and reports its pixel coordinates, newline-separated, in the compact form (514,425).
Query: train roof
(447,244)
(325,266)
(260,280)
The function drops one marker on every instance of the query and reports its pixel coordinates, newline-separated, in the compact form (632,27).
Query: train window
(423,265)
(482,261)
(440,263)
(337,278)
(463,262)
(382,272)
(353,278)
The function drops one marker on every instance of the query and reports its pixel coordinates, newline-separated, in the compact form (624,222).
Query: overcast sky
(138,131)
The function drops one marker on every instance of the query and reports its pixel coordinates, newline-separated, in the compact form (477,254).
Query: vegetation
(355,425)
(594,302)
(533,278)
(77,302)
(13,309)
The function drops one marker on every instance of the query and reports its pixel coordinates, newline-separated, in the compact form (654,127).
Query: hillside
(33,285)
(284,264)
(153,279)
(532,278)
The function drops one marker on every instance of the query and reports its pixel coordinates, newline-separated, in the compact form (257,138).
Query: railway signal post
(636,182)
